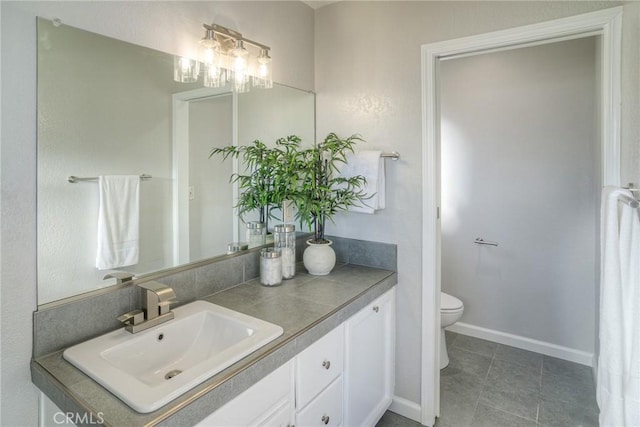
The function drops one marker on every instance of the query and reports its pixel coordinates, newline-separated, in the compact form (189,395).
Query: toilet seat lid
(449,302)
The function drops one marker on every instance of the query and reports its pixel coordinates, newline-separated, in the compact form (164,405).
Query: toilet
(451,309)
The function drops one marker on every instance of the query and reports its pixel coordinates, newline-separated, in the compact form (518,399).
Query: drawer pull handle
(325,419)
(326,364)
(376,308)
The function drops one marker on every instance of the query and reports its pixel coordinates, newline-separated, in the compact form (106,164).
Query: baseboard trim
(406,408)
(524,343)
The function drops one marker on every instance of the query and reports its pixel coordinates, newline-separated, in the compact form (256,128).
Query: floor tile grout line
(486,384)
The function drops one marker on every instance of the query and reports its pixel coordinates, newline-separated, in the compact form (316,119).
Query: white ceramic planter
(319,258)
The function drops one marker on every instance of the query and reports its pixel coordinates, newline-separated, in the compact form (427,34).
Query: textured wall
(168,26)
(368,80)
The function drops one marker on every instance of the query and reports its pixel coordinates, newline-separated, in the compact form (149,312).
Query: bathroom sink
(150,368)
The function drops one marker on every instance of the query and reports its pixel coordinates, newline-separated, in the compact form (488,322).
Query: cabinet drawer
(318,365)
(324,410)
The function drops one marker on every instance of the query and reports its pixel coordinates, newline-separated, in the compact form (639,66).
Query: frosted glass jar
(270,267)
(284,241)
(256,233)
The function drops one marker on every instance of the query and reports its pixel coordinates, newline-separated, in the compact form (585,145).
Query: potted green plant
(321,192)
(307,177)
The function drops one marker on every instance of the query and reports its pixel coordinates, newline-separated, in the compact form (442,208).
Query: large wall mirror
(107,107)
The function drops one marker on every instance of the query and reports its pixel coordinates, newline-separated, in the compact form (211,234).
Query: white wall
(368,80)
(519,146)
(285,26)
(276,113)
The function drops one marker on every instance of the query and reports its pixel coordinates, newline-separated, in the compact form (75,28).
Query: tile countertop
(306,307)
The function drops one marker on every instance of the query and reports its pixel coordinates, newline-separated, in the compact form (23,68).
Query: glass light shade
(210,50)
(214,76)
(241,82)
(240,68)
(185,70)
(262,78)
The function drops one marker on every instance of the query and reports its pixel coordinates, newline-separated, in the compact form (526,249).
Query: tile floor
(489,384)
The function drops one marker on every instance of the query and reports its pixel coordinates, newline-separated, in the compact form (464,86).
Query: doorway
(520,184)
(607,24)
(519,151)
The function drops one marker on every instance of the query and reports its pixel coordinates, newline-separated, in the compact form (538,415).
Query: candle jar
(256,233)
(284,241)
(270,267)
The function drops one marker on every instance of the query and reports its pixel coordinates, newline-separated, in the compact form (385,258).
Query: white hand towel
(618,386)
(118,221)
(369,164)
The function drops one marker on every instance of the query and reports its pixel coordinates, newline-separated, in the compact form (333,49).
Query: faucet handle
(132,318)
(120,276)
(165,306)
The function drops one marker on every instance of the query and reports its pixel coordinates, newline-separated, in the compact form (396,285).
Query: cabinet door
(369,364)
(264,403)
(282,417)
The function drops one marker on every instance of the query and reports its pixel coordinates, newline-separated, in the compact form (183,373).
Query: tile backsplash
(68,323)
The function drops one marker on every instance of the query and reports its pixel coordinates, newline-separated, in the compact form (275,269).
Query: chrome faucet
(156,302)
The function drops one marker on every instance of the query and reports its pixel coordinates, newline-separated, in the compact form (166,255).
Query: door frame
(606,23)
(180,166)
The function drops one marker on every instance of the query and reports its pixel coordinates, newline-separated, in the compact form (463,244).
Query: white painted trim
(542,347)
(235,191)
(430,383)
(607,23)
(406,408)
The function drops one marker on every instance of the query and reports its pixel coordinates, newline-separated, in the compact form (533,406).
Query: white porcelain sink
(149,369)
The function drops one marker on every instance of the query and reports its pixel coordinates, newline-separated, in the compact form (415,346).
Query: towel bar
(73,179)
(394,155)
(481,241)
(631,202)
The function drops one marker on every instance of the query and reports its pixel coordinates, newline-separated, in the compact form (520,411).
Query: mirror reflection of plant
(321,191)
(270,175)
(308,177)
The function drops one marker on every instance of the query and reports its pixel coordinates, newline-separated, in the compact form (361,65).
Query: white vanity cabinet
(370,362)
(269,402)
(346,378)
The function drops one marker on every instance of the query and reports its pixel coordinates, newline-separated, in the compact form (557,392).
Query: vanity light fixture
(224,57)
